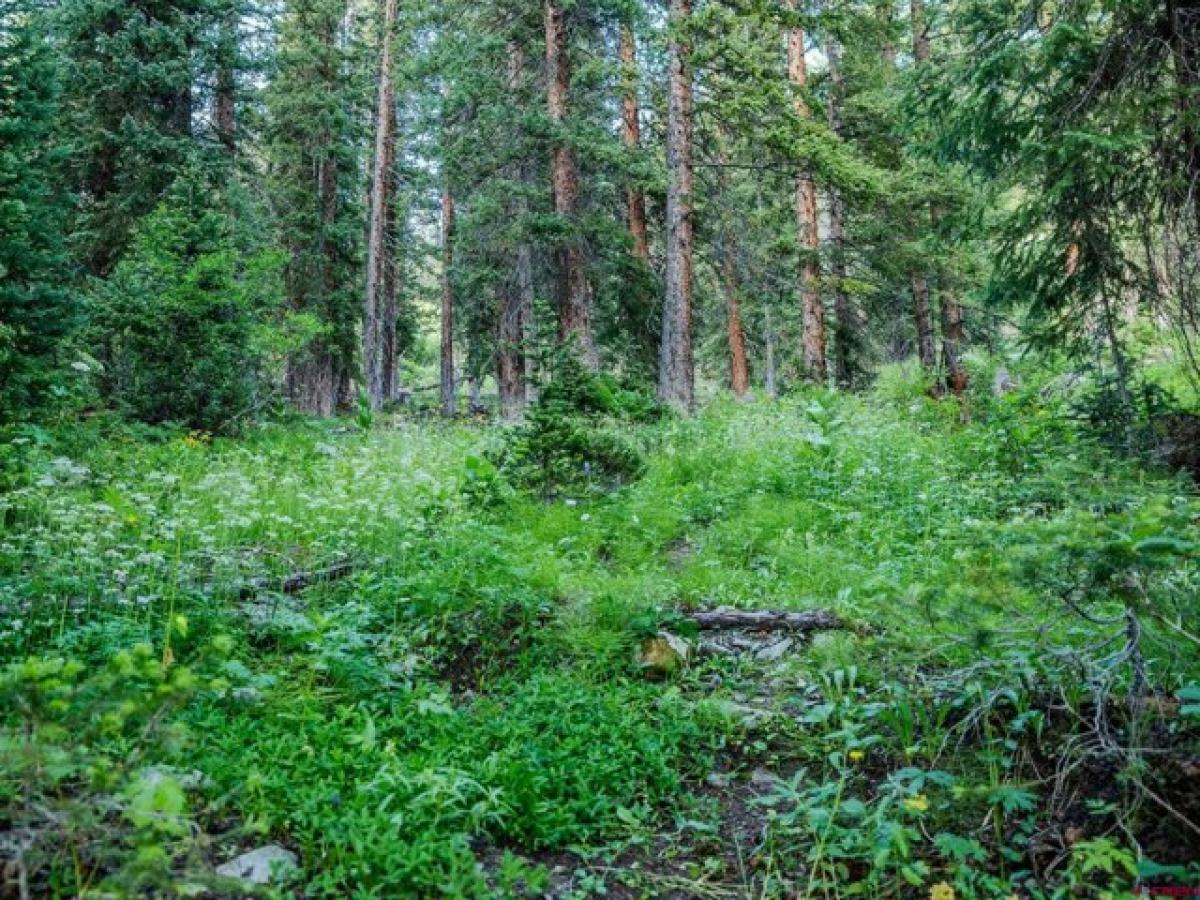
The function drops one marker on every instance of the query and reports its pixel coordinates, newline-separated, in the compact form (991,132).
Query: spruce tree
(36,311)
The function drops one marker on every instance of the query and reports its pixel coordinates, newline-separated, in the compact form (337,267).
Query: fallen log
(296,582)
(766,619)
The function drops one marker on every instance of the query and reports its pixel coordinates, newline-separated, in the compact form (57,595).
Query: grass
(464,714)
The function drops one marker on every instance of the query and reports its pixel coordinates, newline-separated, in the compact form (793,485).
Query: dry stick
(295,583)
(767,620)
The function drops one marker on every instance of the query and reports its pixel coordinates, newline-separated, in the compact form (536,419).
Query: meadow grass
(470,692)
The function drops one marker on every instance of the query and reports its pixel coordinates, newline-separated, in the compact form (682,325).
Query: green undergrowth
(469,692)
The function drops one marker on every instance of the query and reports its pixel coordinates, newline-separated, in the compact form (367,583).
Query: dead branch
(296,582)
(767,619)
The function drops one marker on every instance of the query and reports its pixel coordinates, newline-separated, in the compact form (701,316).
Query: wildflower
(941,891)
(856,756)
(916,803)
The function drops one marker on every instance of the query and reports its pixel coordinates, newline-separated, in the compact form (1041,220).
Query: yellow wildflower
(941,891)
(856,756)
(916,803)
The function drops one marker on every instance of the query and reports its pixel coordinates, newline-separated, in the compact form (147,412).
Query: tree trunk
(225,95)
(311,382)
(926,342)
(953,340)
(574,291)
(807,223)
(516,293)
(923,317)
(739,369)
(953,335)
(844,337)
(377,245)
(676,368)
(887,16)
(632,133)
(769,377)
(446,383)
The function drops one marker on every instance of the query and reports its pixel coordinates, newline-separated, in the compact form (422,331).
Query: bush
(78,795)
(572,438)
(184,319)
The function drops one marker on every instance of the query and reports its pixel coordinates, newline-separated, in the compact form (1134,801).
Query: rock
(1003,382)
(716,780)
(764,780)
(664,653)
(772,652)
(256,866)
(191,780)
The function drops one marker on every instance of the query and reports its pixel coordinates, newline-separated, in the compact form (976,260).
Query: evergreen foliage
(37,307)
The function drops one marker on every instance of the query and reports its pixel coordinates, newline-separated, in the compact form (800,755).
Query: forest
(600,448)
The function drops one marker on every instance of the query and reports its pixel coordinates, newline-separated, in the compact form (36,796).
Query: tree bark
(574,290)
(676,369)
(377,245)
(446,382)
(926,341)
(739,368)
(922,314)
(887,16)
(807,223)
(631,130)
(769,372)
(225,95)
(844,337)
(953,334)
(516,293)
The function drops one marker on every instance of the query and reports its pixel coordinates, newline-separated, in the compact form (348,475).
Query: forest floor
(464,710)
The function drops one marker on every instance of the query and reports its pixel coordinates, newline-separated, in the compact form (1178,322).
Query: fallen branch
(296,582)
(766,619)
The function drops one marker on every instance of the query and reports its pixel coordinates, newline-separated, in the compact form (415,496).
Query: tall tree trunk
(574,291)
(517,290)
(676,368)
(887,18)
(314,377)
(225,95)
(807,223)
(844,337)
(374,302)
(769,374)
(631,130)
(922,311)
(922,315)
(446,383)
(739,368)
(953,334)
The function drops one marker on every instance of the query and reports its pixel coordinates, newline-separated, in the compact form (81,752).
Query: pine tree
(314,143)
(36,311)
(129,110)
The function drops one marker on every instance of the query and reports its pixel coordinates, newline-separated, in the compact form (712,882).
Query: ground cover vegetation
(703,448)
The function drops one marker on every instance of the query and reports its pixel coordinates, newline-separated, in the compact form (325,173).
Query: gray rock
(256,866)
(717,780)
(764,780)
(774,651)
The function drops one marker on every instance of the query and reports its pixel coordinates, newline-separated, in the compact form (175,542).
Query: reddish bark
(631,130)
(574,290)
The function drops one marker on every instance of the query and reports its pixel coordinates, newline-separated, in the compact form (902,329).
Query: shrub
(199,275)
(78,798)
(572,438)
